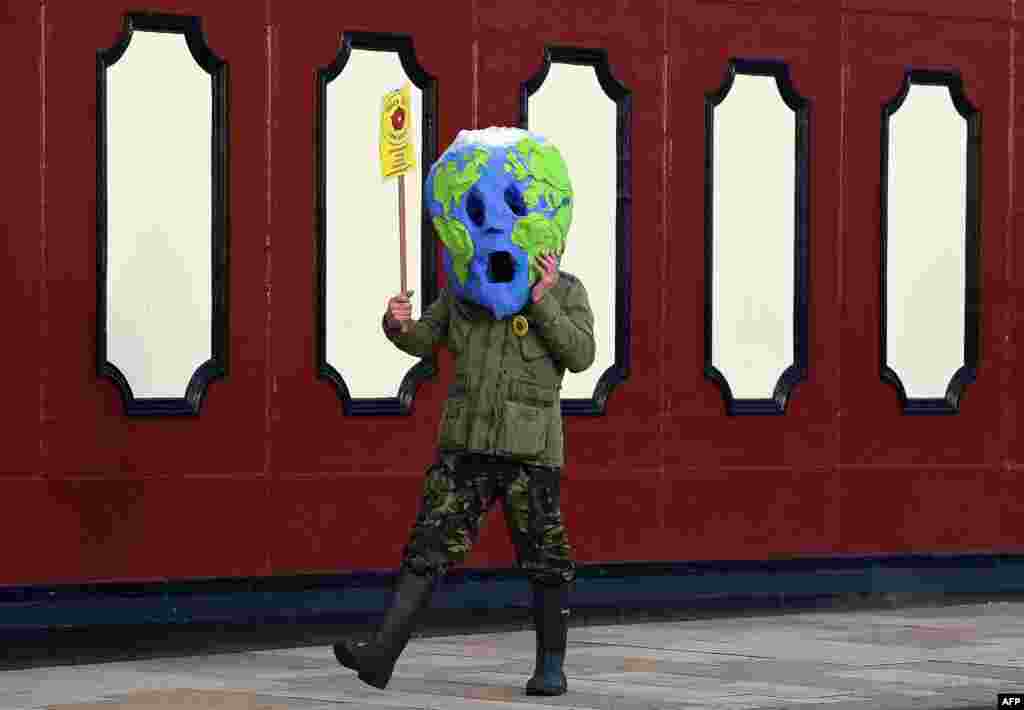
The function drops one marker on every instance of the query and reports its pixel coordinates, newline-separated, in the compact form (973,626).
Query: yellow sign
(520,326)
(396,144)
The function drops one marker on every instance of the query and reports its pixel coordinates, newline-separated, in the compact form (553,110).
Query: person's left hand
(548,266)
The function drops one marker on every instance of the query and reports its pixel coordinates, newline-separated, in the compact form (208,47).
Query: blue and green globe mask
(499,197)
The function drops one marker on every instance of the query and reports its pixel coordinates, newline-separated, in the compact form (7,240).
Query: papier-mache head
(499,197)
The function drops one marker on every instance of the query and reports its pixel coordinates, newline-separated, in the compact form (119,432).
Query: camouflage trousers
(458,492)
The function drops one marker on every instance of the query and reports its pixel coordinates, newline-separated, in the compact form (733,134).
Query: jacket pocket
(453,424)
(528,411)
(531,393)
(524,431)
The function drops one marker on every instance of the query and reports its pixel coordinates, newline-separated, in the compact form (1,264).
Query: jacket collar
(474,311)
(469,310)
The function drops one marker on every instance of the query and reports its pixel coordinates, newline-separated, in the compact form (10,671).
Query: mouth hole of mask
(501,267)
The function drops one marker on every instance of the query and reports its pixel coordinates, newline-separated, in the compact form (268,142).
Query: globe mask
(499,198)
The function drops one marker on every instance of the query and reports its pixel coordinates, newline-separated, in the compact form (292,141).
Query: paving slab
(906,659)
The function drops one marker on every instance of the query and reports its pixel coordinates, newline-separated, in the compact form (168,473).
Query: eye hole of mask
(514,199)
(475,207)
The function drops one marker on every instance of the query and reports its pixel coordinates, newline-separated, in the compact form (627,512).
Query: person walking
(501,431)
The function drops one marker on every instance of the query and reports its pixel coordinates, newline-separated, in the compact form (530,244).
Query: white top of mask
(495,137)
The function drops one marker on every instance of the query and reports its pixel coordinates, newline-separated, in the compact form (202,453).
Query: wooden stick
(401,232)
(401,227)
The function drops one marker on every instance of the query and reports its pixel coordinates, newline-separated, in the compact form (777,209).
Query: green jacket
(505,397)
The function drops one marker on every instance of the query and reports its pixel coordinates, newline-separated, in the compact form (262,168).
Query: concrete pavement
(921,658)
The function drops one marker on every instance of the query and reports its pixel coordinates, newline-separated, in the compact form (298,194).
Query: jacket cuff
(388,331)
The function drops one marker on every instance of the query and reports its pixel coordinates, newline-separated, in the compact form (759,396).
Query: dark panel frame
(426,368)
(967,373)
(797,371)
(618,371)
(217,366)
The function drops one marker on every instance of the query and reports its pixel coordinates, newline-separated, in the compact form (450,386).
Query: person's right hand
(399,309)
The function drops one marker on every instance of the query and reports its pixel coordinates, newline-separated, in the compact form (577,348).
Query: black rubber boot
(551,621)
(375,659)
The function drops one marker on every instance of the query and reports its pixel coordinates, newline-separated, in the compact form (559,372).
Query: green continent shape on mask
(563,218)
(537,235)
(544,164)
(514,165)
(455,237)
(450,183)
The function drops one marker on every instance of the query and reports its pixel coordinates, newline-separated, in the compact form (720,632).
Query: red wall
(272,478)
